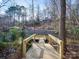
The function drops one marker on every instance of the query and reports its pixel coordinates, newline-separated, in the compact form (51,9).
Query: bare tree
(3,3)
(33,9)
(38,15)
(62,31)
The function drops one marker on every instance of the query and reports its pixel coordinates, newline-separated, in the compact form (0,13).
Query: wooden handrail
(60,43)
(29,38)
(25,42)
(55,39)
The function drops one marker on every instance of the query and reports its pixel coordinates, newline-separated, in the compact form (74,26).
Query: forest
(34,29)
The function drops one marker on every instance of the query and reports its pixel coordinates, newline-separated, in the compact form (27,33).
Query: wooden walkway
(42,51)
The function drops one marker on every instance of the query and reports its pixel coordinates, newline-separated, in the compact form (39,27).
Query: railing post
(49,39)
(61,50)
(24,48)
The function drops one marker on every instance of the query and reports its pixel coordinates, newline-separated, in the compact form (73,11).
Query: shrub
(16,33)
(75,32)
(3,45)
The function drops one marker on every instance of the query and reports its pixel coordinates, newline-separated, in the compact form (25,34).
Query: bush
(22,34)
(75,32)
(16,33)
(3,45)
(2,36)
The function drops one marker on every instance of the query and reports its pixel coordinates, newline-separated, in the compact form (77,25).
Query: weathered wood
(42,51)
(57,40)
(61,50)
(24,48)
(25,42)
(60,43)
(29,38)
(49,37)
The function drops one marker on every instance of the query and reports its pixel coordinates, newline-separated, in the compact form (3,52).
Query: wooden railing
(59,44)
(25,42)
(51,39)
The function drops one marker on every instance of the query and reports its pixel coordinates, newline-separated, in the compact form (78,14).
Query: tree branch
(3,4)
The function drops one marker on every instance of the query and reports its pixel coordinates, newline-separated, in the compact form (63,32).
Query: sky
(25,3)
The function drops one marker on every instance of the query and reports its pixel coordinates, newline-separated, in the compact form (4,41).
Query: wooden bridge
(42,47)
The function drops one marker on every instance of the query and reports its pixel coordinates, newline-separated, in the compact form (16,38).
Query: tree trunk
(62,31)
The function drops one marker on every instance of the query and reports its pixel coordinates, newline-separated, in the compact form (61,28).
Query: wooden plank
(24,49)
(61,50)
(47,52)
(50,37)
(25,44)
(60,42)
(32,36)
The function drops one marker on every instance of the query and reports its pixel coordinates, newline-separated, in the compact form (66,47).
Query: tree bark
(62,30)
